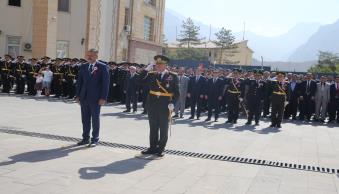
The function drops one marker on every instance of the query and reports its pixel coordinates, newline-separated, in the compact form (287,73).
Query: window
(150,2)
(16,3)
(62,49)
(148,28)
(127,14)
(13,45)
(63,5)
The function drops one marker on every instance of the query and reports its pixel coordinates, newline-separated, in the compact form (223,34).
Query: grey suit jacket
(183,85)
(325,93)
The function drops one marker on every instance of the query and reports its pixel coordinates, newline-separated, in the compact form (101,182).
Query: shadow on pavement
(118,167)
(42,155)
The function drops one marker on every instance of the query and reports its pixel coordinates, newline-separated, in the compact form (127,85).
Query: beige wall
(72,27)
(16,21)
(242,55)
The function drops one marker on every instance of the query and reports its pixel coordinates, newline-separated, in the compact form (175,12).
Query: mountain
(286,66)
(277,48)
(325,39)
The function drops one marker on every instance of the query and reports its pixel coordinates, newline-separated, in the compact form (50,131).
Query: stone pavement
(38,165)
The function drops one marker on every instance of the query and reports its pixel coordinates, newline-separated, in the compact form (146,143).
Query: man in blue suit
(92,91)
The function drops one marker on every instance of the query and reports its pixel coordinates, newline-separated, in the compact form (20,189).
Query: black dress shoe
(272,125)
(175,116)
(81,143)
(191,118)
(235,122)
(198,118)
(256,123)
(279,126)
(160,154)
(216,120)
(181,116)
(229,121)
(144,113)
(208,119)
(126,111)
(248,123)
(148,152)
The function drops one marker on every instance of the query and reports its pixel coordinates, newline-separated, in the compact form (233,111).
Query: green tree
(327,63)
(225,40)
(189,33)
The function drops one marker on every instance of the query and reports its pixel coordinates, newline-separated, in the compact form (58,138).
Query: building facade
(122,30)
(240,55)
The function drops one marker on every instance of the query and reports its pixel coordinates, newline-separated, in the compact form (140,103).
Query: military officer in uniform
(6,73)
(233,94)
(164,91)
(20,75)
(254,97)
(279,99)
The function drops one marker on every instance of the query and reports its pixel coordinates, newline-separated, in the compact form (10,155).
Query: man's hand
(201,96)
(77,99)
(301,98)
(312,98)
(206,97)
(149,67)
(220,98)
(188,95)
(102,102)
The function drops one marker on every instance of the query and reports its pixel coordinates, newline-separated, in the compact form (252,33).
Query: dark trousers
(307,109)
(30,86)
(196,102)
(233,107)
(334,110)
(278,106)
(90,113)
(291,109)
(131,97)
(266,106)
(6,84)
(213,104)
(254,110)
(158,121)
(20,85)
(144,99)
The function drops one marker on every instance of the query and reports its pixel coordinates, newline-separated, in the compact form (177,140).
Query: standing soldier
(164,91)
(32,69)
(20,75)
(71,72)
(233,95)
(6,71)
(254,97)
(57,78)
(267,88)
(279,99)
(113,89)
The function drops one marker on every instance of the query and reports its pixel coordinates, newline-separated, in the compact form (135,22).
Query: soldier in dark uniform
(122,73)
(164,91)
(71,73)
(215,92)
(20,75)
(267,100)
(6,73)
(279,99)
(32,69)
(57,78)
(233,94)
(254,97)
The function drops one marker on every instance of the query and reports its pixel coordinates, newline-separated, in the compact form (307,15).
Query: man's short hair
(93,50)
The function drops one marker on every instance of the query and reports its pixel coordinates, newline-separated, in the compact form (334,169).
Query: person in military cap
(6,73)
(57,77)
(32,69)
(254,97)
(164,91)
(279,88)
(20,74)
(234,83)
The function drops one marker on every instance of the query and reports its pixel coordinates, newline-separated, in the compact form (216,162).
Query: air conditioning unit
(127,28)
(27,47)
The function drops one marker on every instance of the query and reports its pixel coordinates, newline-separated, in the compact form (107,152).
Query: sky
(263,17)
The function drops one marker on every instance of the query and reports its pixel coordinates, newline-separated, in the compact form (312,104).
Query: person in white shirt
(38,84)
(48,77)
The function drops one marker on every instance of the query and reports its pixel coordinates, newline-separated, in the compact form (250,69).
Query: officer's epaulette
(152,72)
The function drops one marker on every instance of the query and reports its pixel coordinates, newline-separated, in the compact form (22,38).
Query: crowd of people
(256,94)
